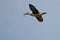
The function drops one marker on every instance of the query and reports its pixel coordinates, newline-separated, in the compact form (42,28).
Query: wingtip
(30,5)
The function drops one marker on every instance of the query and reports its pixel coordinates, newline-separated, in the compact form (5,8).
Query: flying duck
(35,13)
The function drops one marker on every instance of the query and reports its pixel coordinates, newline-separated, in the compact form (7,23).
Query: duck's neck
(42,13)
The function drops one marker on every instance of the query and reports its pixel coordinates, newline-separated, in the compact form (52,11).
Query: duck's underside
(38,16)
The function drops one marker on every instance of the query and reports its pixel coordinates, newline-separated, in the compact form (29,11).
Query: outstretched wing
(39,18)
(33,9)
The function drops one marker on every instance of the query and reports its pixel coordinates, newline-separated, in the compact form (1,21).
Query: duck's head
(42,13)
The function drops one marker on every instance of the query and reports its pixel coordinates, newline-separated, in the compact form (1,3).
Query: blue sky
(14,25)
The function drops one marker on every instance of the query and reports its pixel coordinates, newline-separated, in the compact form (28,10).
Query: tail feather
(27,13)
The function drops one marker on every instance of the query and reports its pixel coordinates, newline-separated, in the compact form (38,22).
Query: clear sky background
(14,25)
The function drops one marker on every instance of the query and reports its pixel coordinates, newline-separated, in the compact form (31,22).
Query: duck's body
(35,13)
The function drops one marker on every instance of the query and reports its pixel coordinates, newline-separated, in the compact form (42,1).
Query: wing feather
(33,9)
(39,18)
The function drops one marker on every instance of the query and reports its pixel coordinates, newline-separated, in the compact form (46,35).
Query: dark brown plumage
(33,9)
(35,13)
